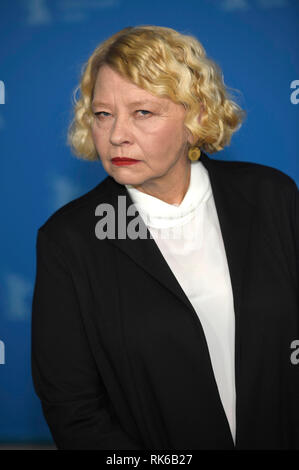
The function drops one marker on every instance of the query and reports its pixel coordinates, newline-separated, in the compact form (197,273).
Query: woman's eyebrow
(133,103)
(140,102)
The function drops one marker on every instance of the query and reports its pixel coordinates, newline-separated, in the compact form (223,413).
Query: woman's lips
(119,161)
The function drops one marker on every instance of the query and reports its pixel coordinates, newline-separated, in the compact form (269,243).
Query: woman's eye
(100,113)
(143,111)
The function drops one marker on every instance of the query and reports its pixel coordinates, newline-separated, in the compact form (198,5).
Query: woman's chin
(124,175)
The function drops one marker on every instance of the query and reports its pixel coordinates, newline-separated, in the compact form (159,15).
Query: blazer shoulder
(72,216)
(256,175)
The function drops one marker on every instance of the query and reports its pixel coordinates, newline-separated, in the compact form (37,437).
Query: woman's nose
(121,130)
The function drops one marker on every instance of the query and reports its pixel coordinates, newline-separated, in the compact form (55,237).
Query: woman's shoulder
(253,177)
(78,215)
(254,170)
(260,185)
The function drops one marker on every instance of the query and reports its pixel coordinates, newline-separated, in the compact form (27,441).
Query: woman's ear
(202,110)
(190,138)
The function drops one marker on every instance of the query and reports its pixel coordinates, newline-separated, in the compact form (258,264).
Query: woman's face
(131,122)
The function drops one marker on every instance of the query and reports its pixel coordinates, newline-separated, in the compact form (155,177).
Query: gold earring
(194,153)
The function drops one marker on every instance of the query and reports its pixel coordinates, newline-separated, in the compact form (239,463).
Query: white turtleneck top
(189,238)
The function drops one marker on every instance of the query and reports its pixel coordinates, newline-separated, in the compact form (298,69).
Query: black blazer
(119,356)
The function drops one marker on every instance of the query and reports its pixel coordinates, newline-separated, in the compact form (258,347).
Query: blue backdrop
(43,44)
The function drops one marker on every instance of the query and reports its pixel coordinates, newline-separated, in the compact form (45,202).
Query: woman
(165,309)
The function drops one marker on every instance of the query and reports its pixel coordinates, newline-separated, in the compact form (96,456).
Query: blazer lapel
(235,215)
(143,251)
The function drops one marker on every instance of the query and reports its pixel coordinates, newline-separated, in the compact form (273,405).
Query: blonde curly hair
(168,64)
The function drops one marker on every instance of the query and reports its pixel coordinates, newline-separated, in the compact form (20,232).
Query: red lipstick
(120,161)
